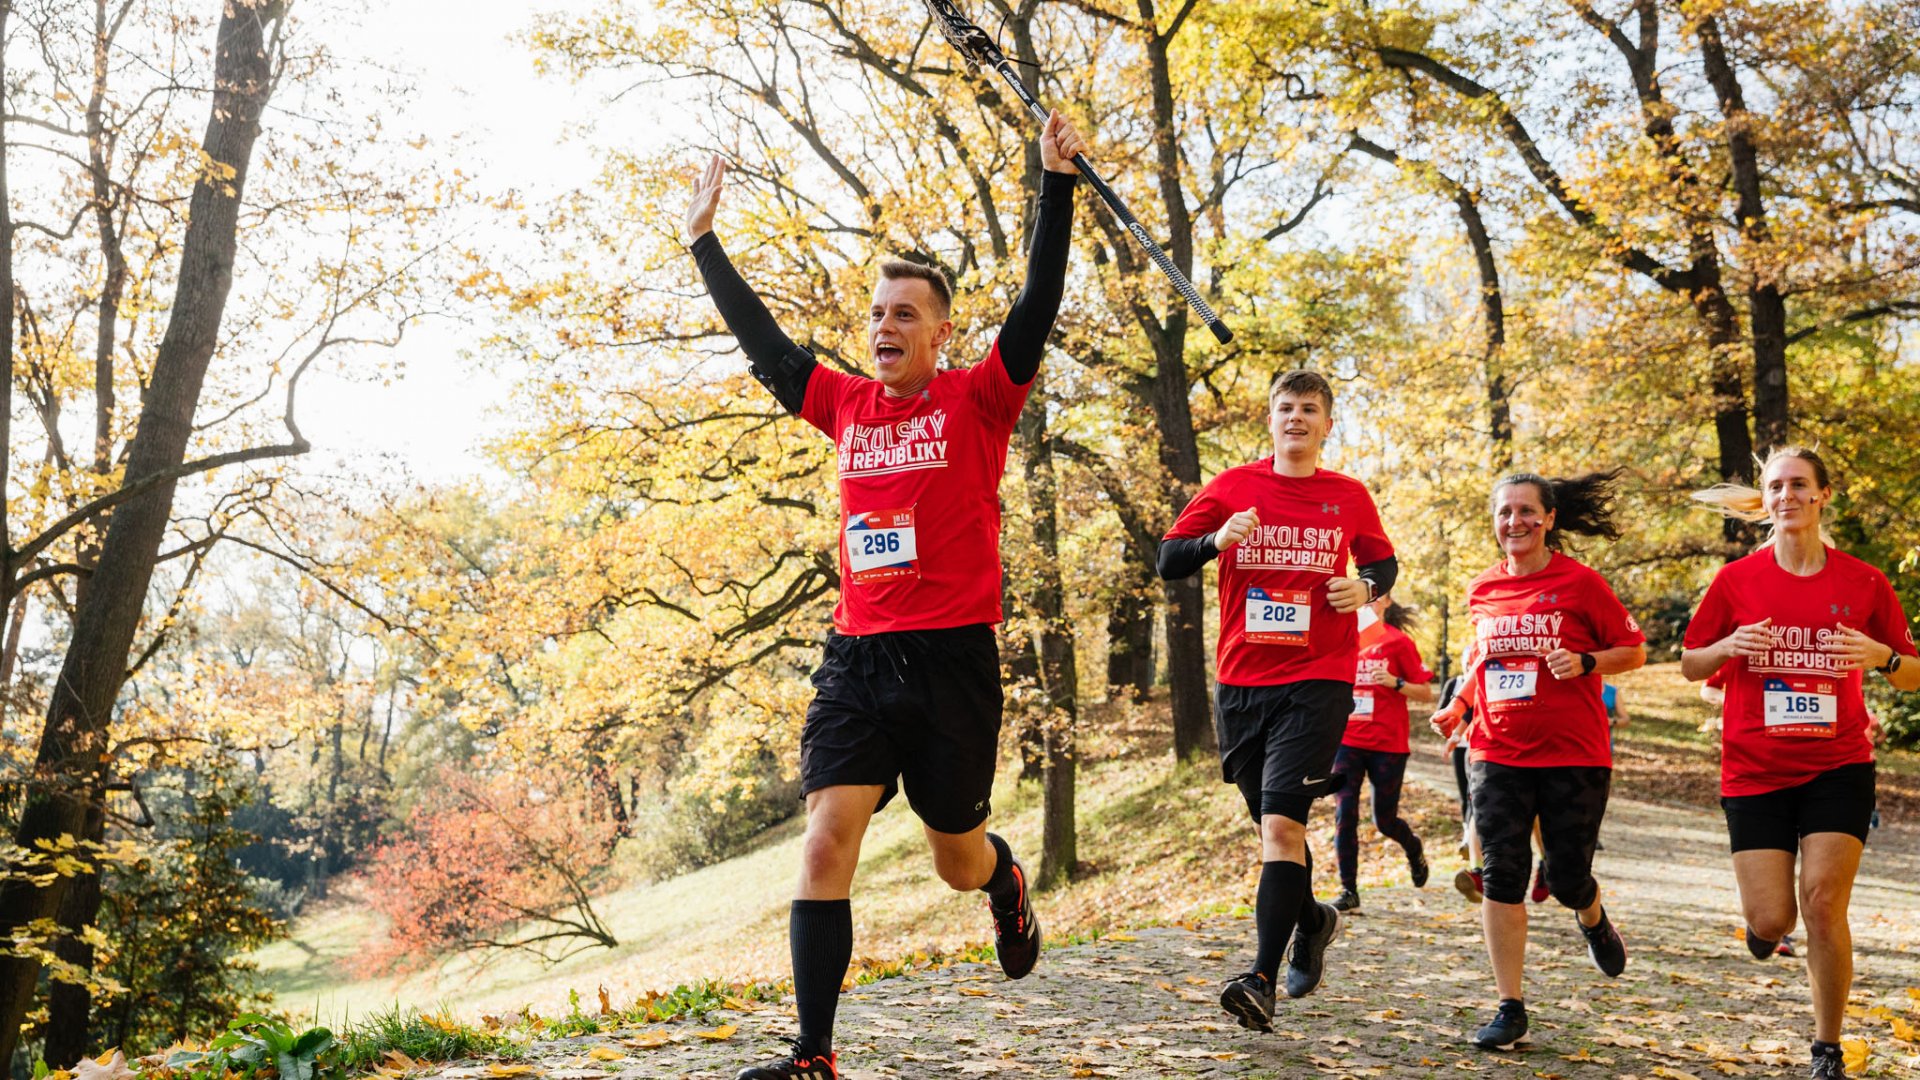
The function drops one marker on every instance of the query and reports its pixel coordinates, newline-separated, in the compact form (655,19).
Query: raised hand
(1855,649)
(1059,142)
(1238,528)
(706,199)
(1752,641)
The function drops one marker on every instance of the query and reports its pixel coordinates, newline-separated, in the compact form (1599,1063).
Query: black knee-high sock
(1310,913)
(1003,888)
(820,934)
(1282,884)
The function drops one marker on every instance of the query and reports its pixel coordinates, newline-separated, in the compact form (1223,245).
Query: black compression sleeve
(1024,336)
(780,365)
(1183,556)
(1382,574)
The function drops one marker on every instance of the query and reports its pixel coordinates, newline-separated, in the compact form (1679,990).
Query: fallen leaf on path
(650,1040)
(724,1031)
(606,1053)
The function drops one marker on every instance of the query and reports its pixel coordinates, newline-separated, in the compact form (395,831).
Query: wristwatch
(1892,665)
(1399,684)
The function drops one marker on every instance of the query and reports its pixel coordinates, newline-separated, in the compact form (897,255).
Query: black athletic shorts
(1838,800)
(1277,742)
(1569,800)
(912,708)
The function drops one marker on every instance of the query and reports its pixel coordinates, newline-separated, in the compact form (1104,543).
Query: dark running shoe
(1307,960)
(1468,882)
(799,1065)
(1016,932)
(1540,891)
(1250,999)
(1417,864)
(1604,947)
(1760,947)
(1830,1066)
(1349,900)
(1507,1027)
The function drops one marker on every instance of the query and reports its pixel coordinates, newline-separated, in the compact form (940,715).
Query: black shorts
(1569,800)
(1277,742)
(915,706)
(1838,800)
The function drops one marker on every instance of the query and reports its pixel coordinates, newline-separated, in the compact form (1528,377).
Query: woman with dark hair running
(1375,746)
(1793,628)
(1546,629)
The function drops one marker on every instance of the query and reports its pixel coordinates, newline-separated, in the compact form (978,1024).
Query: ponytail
(1582,505)
(1746,503)
(1399,616)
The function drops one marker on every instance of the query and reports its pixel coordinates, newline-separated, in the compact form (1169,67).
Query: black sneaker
(1016,932)
(799,1065)
(1604,947)
(1306,961)
(1507,1027)
(1417,863)
(1828,1066)
(1760,947)
(1349,900)
(1250,999)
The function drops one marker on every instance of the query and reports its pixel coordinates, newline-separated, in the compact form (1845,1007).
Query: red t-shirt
(919,494)
(1791,717)
(1308,527)
(1379,720)
(1525,716)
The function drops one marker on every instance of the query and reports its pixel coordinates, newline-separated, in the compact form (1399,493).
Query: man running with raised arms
(908,690)
(1289,646)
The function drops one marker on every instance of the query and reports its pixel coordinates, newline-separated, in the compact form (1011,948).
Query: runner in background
(1375,747)
(1796,625)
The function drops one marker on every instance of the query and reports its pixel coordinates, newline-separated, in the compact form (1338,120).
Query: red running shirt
(1790,717)
(919,494)
(1379,720)
(1524,716)
(1276,625)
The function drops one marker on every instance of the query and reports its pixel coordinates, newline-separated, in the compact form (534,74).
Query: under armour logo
(1841,609)
(1547,598)
(1330,508)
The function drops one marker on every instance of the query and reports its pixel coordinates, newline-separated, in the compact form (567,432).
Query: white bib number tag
(1363,702)
(1807,708)
(1278,616)
(881,546)
(1513,679)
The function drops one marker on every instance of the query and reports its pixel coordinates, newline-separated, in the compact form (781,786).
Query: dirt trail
(1407,977)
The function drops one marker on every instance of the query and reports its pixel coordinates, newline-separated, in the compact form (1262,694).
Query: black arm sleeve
(1183,556)
(780,365)
(1024,336)
(1382,574)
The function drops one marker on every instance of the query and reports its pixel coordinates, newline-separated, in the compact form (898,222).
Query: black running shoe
(1828,1067)
(1250,999)
(1760,947)
(1349,900)
(1507,1027)
(1604,947)
(799,1065)
(1417,863)
(1016,932)
(1307,961)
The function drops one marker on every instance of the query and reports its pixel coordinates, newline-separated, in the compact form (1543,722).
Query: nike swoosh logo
(1310,780)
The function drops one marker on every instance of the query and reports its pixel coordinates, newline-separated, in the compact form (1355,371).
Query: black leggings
(1386,772)
(1460,781)
(1569,800)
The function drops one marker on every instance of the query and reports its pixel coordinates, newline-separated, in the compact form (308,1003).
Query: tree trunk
(70,769)
(1494,333)
(70,1006)
(1059,680)
(1173,415)
(1130,638)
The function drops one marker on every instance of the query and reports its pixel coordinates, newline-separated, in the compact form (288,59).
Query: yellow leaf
(606,1053)
(974,991)
(724,1031)
(1121,937)
(649,1040)
(509,1070)
(1854,1053)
